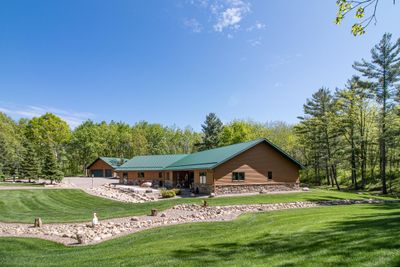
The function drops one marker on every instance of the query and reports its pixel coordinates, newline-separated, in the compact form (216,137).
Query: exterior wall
(256,163)
(100,165)
(206,188)
(149,176)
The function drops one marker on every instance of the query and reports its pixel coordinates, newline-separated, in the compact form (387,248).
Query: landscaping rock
(81,239)
(153,212)
(146,184)
(124,195)
(38,222)
(182,213)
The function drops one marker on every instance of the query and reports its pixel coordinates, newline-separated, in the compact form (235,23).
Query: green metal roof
(151,162)
(207,159)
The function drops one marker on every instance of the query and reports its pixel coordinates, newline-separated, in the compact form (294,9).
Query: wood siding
(148,175)
(209,176)
(100,165)
(256,163)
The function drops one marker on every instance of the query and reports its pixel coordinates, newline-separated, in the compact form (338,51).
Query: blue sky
(172,62)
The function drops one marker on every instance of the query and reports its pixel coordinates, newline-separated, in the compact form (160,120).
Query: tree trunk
(382,149)
(334,176)
(328,179)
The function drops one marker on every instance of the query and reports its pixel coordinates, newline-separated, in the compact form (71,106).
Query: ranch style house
(253,166)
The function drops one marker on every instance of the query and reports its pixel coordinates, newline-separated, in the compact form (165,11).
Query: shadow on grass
(362,240)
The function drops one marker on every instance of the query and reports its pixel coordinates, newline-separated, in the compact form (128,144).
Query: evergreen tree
(30,163)
(319,125)
(51,170)
(212,129)
(384,70)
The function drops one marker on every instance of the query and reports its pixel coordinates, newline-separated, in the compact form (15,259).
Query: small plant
(177,191)
(168,193)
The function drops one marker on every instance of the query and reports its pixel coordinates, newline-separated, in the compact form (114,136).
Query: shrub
(177,191)
(168,193)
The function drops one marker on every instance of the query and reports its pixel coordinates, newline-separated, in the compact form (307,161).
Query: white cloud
(223,14)
(228,18)
(255,42)
(230,15)
(193,25)
(19,111)
(256,26)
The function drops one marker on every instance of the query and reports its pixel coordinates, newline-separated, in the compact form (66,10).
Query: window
(140,174)
(238,176)
(160,175)
(125,175)
(203,177)
(269,175)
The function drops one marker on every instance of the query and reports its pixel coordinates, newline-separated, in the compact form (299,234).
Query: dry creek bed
(68,233)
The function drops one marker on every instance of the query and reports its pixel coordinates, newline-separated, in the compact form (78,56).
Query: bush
(177,191)
(168,193)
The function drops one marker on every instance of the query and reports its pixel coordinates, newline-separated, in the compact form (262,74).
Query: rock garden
(98,231)
(125,194)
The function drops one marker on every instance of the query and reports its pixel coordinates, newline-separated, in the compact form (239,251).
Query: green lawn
(19,184)
(357,235)
(68,205)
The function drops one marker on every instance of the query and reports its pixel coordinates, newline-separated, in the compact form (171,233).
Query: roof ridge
(206,159)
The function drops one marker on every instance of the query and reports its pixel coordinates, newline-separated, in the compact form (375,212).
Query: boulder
(81,239)
(38,222)
(153,212)
(146,184)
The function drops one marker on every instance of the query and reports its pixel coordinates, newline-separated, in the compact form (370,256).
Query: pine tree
(352,105)
(212,129)
(384,70)
(30,163)
(51,170)
(318,124)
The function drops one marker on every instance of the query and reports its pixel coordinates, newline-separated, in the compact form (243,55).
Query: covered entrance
(183,179)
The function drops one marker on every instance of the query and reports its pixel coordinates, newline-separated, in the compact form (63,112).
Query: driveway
(86,182)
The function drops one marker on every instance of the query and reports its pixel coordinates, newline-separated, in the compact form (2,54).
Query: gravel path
(185,213)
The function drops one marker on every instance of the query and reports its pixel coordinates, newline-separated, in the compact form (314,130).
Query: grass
(19,184)
(357,235)
(72,205)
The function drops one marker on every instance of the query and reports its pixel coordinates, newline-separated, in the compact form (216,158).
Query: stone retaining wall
(254,188)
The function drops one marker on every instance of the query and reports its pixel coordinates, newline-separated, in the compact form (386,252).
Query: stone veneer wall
(254,188)
(204,188)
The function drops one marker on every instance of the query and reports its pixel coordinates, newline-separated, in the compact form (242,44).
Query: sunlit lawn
(357,235)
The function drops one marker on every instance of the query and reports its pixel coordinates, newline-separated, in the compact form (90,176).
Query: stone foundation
(254,188)
(204,188)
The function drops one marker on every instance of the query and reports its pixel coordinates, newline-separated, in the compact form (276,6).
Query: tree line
(45,147)
(354,131)
(348,137)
